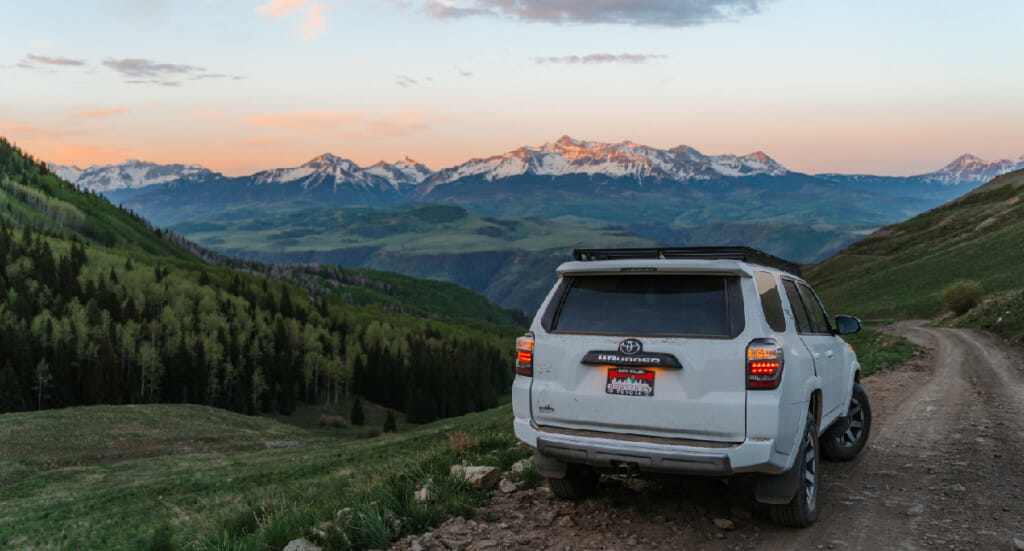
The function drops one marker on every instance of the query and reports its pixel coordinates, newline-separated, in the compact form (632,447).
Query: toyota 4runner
(695,361)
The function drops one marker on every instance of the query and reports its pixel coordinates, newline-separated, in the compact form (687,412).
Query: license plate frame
(628,381)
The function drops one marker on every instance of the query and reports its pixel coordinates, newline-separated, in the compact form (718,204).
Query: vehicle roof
(748,255)
(639,266)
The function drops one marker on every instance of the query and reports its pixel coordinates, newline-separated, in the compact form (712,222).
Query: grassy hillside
(900,271)
(177,475)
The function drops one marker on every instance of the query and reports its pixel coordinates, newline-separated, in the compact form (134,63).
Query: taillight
(524,355)
(764,364)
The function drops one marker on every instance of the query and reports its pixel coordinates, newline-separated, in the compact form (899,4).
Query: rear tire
(578,483)
(802,510)
(838,444)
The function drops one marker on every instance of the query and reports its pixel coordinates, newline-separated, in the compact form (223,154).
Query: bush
(358,417)
(336,421)
(961,296)
(390,424)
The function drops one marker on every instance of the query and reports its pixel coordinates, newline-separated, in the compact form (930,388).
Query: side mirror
(847,325)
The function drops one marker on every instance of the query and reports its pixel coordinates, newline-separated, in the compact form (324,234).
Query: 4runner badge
(630,347)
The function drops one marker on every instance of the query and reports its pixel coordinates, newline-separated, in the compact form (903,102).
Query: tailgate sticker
(630,382)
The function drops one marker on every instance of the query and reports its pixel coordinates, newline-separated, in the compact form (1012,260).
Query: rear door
(816,332)
(644,354)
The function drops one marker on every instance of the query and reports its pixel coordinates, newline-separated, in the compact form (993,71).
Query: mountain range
(616,192)
(566,156)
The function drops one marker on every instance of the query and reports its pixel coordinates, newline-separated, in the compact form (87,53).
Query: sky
(874,86)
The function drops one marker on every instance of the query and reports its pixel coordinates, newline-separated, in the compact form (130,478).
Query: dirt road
(944,469)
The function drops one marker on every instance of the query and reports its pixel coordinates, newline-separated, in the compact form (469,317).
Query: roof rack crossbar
(745,254)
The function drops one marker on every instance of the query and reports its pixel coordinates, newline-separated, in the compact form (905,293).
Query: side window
(771,301)
(819,321)
(803,322)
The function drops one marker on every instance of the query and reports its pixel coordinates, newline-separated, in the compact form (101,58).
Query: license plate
(630,382)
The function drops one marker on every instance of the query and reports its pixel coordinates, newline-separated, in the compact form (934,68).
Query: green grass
(878,351)
(1001,313)
(901,270)
(230,491)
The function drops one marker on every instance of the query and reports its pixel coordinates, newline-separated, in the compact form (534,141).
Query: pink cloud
(24,131)
(97,113)
(316,20)
(275,9)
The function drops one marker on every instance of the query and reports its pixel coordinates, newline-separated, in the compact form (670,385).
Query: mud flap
(778,489)
(549,466)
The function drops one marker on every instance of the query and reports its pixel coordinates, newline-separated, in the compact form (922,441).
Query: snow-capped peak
(969,168)
(626,159)
(404,172)
(131,174)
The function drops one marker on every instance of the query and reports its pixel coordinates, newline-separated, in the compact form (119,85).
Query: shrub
(390,425)
(460,442)
(961,296)
(336,421)
(358,417)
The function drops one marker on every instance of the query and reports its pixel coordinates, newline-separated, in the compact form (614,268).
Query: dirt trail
(944,469)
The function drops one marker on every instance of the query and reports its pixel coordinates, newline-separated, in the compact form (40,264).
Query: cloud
(148,68)
(60,61)
(599,58)
(666,13)
(275,9)
(347,124)
(405,81)
(97,113)
(316,21)
(316,15)
(28,132)
(147,71)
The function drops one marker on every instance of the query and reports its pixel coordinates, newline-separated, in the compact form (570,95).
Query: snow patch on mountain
(404,172)
(131,174)
(972,169)
(625,159)
(328,169)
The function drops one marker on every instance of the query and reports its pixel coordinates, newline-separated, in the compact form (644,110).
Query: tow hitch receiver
(623,469)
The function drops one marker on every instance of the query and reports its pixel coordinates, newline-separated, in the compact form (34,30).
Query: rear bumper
(608,450)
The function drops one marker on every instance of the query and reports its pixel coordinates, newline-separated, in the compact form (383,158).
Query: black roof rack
(745,254)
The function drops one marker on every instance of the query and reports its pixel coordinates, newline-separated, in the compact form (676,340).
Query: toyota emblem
(630,347)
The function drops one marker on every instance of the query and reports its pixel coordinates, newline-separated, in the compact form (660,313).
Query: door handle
(829,353)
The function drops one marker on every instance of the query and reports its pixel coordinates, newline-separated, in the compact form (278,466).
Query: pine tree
(358,417)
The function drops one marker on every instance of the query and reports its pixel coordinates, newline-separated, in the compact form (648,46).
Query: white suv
(698,361)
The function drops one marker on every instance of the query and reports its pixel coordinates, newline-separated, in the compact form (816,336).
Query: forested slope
(97,307)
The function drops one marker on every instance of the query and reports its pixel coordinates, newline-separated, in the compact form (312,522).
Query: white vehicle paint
(640,365)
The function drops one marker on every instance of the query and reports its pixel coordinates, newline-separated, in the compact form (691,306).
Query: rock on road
(943,469)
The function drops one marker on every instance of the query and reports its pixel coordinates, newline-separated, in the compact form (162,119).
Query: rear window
(685,305)
(771,301)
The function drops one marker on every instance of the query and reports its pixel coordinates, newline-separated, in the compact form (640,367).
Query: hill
(185,476)
(902,269)
(96,307)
